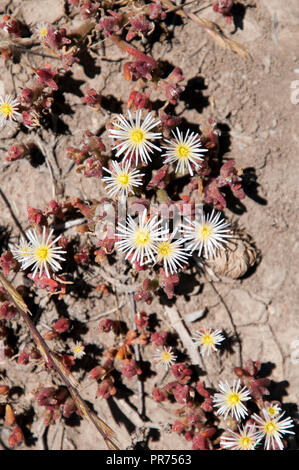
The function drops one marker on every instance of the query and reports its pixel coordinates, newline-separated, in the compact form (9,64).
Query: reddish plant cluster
(37,99)
(88,8)
(17,152)
(56,403)
(193,421)
(33,356)
(60,326)
(8,312)
(90,157)
(11,26)
(8,263)
(59,44)
(224,8)
(249,375)
(92,99)
(122,358)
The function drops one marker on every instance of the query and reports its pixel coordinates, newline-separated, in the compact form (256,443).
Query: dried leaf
(10,418)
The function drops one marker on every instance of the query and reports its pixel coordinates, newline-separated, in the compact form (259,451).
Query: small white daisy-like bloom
(171,253)
(140,238)
(135,136)
(165,357)
(41,252)
(78,350)
(206,235)
(21,250)
(208,339)
(230,400)
(272,429)
(8,109)
(183,151)
(246,439)
(273,409)
(122,180)
(41,30)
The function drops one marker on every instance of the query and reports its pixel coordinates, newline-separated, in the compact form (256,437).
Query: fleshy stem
(133,51)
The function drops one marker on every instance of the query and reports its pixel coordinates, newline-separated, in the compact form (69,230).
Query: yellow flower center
(137,136)
(165,249)
(43,32)
(42,253)
(245,442)
(183,151)
(233,398)
(142,237)
(77,349)
(270,427)
(25,251)
(6,109)
(166,356)
(123,179)
(272,411)
(205,232)
(208,339)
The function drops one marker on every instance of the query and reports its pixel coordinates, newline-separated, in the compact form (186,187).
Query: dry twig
(177,324)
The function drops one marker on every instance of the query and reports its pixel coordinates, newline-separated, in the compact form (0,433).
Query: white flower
(183,151)
(78,350)
(39,252)
(230,400)
(246,439)
(208,339)
(8,109)
(171,253)
(22,250)
(135,136)
(140,239)
(207,235)
(272,429)
(41,30)
(165,357)
(273,409)
(122,179)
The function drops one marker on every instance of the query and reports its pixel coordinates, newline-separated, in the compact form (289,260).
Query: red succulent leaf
(7,311)
(45,76)
(178,426)
(200,387)
(8,263)
(130,368)
(92,99)
(159,395)
(158,338)
(106,388)
(62,325)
